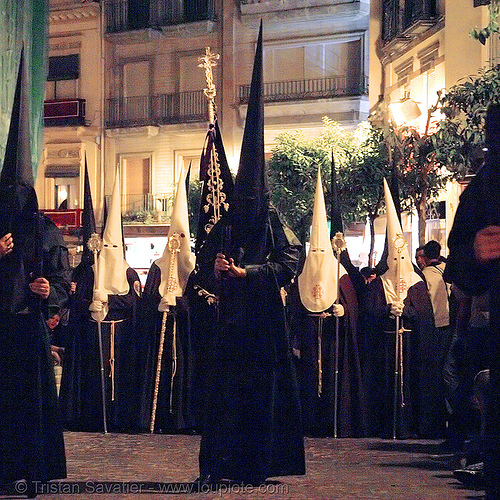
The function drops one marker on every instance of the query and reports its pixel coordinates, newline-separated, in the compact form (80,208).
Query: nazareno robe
(318,409)
(252,427)
(31,439)
(422,413)
(173,410)
(80,393)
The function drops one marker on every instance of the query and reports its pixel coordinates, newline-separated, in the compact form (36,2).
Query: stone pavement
(150,467)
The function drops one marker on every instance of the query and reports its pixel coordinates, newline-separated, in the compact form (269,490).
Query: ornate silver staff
(174,245)
(338,245)
(216,197)
(207,62)
(399,244)
(94,244)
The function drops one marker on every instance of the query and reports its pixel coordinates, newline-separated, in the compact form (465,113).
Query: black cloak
(173,411)
(80,394)
(31,439)
(252,428)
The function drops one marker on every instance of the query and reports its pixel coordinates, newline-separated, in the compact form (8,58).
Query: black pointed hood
(17,195)
(336,225)
(88,218)
(17,165)
(251,192)
(188,180)
(104,215)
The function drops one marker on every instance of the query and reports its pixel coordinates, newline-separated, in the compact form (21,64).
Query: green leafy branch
(493,27)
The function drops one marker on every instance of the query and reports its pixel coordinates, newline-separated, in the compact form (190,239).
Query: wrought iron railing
(181,107)
(398,18)
(314,88)
(145,207)
(292,5)
(128,15)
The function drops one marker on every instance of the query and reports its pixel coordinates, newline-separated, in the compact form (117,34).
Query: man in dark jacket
(473,265)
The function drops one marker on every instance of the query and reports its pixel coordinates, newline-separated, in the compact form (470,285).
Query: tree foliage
(460,136)
(359,171)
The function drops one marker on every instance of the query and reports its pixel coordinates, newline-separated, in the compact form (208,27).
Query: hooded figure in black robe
(473,265)
(173,411)
(81,392)
(252,429)
(419,403)
(165,368)
(318,406)
(34,272)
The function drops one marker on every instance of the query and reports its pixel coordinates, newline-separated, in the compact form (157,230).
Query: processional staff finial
(207,62)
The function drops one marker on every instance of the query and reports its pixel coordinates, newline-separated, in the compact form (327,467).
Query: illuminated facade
(418,48)
(133,65)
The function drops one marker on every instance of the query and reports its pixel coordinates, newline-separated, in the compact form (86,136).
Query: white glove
(100,296)
(338,310)
(96,306)
(397,308)
(163,305)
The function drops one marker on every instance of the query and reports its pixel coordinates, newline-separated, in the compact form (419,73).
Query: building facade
(132,69)
(417,49)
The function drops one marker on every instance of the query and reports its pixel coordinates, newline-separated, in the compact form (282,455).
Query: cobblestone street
(144,467)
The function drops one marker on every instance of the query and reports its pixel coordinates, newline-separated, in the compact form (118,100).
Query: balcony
(64,112)
(130,15)
(68,220)
(401,25)
(318,6)
(149,208)
(163,109)
(312,89)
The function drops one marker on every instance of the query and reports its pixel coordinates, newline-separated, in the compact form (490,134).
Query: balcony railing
(399,21)
(315,88)
(182,107)
(64,112)
(128,15)
(145,208)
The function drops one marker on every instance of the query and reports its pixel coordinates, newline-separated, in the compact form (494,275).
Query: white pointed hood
(177,260)
(318,280)
(111,264)
(400,276)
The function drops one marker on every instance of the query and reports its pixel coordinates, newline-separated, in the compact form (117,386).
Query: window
(191,77)
(136,180)
(63,77)
(313,60)
(136,78)
(400,15)
(136,177)
(404,72)
(136,91)
(66,193)
(138,14)
(428,56)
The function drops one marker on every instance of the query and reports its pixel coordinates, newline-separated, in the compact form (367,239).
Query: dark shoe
(471,476)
